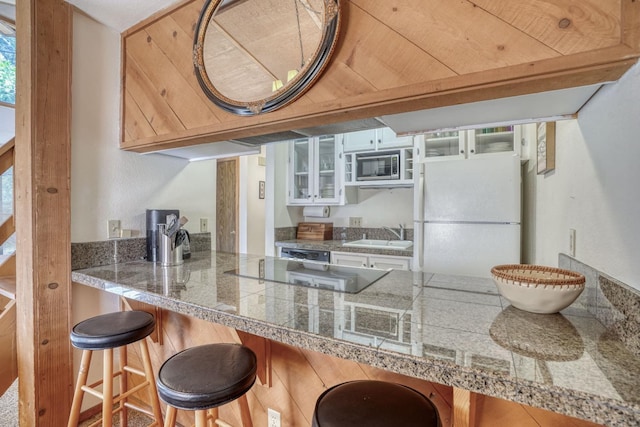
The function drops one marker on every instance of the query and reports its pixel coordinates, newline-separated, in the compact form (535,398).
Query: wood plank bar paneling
(42,193)
(300,376)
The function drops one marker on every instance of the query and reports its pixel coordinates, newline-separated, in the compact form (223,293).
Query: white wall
(252,208)
(594,188)
(106,182)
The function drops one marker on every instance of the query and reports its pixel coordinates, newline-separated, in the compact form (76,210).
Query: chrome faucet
(399,235)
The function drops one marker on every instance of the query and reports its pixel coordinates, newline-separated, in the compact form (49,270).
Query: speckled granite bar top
(451,330)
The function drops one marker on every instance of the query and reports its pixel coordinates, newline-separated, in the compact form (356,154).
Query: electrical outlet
(114,228)
(572,242)
(355,221)
(204,225)
(273,418)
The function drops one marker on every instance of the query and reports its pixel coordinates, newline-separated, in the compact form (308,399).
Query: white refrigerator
(467,214)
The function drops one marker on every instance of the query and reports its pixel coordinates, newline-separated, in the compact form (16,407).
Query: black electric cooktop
(311,274)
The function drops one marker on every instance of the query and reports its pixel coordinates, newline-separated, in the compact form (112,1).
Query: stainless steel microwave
(378,166)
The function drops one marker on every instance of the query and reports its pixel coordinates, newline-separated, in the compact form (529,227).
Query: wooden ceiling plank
(379,54)
(135,124)
(631,24)
(169,85)
(187,17)
(242,49)
(156,111)
(566,26)
(465,38)
(177,45)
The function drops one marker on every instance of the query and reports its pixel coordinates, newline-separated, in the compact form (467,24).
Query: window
(8,68)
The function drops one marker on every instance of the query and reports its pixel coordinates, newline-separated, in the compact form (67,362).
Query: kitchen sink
(379,244)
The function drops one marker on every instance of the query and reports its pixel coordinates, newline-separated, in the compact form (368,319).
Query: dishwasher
(306,254)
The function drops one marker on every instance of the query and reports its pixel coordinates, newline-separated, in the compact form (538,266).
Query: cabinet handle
(473,151)
(364,265)
(461,151)
(371,141)
(373,265)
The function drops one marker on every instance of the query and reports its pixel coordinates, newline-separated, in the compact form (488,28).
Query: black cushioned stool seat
(112,330)
(374,404)
(206,377)
(108,332)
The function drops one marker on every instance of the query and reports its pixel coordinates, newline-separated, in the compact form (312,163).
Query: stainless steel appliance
(378,166)
(155,217)
(306,254)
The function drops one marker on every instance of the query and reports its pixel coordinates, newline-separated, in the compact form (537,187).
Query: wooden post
(42,179)
(464,408)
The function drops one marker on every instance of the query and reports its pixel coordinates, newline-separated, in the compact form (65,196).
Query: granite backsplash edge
(105,252)
(612,302)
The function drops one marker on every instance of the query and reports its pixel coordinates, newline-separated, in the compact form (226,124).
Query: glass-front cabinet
(465,144)
(315,171)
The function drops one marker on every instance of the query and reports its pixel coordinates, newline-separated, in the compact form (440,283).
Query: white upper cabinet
(375,139)
(475,142)
(316,172)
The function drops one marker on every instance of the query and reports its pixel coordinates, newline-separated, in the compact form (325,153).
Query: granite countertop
(338,246)
(452,330)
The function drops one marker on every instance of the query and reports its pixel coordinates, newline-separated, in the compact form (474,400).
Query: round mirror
(255,56)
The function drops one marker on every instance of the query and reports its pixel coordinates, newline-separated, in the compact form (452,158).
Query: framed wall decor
(546,146)
(261,189)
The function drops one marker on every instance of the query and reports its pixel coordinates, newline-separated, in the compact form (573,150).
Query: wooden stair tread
(8,287)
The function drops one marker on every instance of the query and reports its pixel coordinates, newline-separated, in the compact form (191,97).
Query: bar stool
(374,404)
(205,377)
(107,332)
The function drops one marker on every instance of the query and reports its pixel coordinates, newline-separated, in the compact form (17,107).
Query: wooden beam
(464,408)
(42,178)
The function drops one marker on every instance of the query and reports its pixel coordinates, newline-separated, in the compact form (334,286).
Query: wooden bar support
(464,408)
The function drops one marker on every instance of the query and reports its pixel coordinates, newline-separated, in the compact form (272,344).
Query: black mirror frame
(296,88)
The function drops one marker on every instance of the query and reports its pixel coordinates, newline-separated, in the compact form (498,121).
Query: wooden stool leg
(201,418)
(245,415)
(124,386)
(170,420)
(153,390)
(79,393)
(107,388)
(214,414)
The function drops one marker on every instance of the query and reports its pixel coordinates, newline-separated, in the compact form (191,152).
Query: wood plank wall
(391,57)
(299,376)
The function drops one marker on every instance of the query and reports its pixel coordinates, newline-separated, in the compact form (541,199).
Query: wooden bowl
(538,289)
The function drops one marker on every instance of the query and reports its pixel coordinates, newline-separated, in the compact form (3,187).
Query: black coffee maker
(155,217)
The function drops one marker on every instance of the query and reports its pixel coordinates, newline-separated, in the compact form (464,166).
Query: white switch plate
(273,418)
(114,228)
(355,221)
(204,225)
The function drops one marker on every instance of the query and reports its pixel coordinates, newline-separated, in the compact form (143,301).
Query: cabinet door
(444,145)
(327,163)
(301,169)
(364,140)
(388,139)
(385,262)
(494,140)
(349,259)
